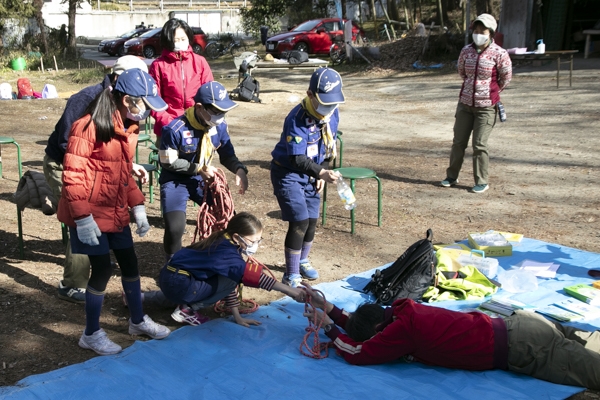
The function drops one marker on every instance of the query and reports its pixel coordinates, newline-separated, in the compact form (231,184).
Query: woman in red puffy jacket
(98,192)
(178,72)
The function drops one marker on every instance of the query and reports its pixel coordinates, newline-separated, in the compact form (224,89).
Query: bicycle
(337,52)
(215,50)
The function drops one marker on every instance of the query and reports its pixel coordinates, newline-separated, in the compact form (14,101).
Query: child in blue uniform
(299,168)
(210,270)
(186,150)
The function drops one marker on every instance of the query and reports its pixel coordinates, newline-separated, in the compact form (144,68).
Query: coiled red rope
(215,217)
(246,306)
(317,347)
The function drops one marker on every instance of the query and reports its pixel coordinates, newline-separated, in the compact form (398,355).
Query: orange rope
(215,217)
(313,329)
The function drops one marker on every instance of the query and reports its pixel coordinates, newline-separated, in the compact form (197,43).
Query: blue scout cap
(138,83)
(326,85)
(213,93)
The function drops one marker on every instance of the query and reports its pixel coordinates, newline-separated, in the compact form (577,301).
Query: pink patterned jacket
(484,74)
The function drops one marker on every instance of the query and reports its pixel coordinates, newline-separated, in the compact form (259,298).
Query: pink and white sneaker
(187,315)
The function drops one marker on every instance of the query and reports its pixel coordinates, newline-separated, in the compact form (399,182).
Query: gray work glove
(141,220)
(88,231)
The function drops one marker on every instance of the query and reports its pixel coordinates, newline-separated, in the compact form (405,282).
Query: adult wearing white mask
(486,70)
(186,151)
(178,72)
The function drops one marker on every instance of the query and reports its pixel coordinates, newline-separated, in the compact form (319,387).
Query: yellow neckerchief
(228,237)
(206,149)
(326,134)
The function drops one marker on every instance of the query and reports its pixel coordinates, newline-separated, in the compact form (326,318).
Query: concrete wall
(105,24)
(515,19)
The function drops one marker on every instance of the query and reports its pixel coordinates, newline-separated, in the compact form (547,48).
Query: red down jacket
(97,176)
(178,76)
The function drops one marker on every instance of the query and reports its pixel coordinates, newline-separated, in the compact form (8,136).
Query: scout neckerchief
(206,149)
(326,134)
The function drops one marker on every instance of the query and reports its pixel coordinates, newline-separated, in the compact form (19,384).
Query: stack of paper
(542,270)
(558,313)
(585,293)
(579,307)
(505,306)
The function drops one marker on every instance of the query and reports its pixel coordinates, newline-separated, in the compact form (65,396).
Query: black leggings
(300,232)
(102,268)
(174,227)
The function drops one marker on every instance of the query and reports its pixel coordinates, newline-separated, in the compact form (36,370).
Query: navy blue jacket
(57,143)
(222,258)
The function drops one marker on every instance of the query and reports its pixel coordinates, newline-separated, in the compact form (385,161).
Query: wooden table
(312,63)
(551,55)
(588,33)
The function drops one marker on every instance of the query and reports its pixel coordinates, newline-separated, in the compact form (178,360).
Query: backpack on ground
(247,90)
(408,277)
(5,91)
(24,89)
(49,92)
(295,57)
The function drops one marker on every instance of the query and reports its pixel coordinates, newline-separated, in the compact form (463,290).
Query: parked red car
(314,37)
(115,46)
(148,44)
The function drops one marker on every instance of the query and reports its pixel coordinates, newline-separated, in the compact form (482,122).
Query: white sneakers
(101,344)
(149,328)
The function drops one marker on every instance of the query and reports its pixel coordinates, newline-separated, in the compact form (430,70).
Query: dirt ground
(544,178)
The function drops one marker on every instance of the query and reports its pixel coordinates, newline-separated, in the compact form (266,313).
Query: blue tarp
(222,360)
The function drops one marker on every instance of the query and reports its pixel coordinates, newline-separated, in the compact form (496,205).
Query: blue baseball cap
(138,83)
(215,94)
(326,85)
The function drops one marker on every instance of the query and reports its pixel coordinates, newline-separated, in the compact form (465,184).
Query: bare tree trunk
(40,21)
(344,9)
(483,6)
(374,15)
(387,18)
(440,13)
(407,15)
(394,10)
(72,42)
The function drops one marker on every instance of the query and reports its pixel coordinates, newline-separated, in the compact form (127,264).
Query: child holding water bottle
(300,168)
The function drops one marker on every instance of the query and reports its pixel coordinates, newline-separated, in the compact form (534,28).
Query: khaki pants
(77,266)
(553,352)
(480,121)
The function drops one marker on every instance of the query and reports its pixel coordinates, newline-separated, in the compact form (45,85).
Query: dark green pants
(552,351)
(77,266)
(480,121)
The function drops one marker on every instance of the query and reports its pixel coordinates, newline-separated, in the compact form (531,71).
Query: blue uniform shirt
(302,136)
(179,135)
(221,259)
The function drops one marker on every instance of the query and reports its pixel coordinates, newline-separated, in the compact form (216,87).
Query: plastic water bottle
(541,47)
(346,194)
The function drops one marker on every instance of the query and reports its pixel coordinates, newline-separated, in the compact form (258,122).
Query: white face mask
(216,120)
(182,45)
(480,39)
(250,250)
(325,110)
(211,119)
(139,116)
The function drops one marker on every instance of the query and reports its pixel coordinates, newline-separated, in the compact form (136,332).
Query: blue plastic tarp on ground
(222,360)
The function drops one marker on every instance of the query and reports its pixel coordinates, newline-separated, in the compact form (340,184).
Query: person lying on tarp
(525,342)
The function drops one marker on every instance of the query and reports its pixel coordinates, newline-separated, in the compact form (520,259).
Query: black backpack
(408,277)
(247,90)
(295,57)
